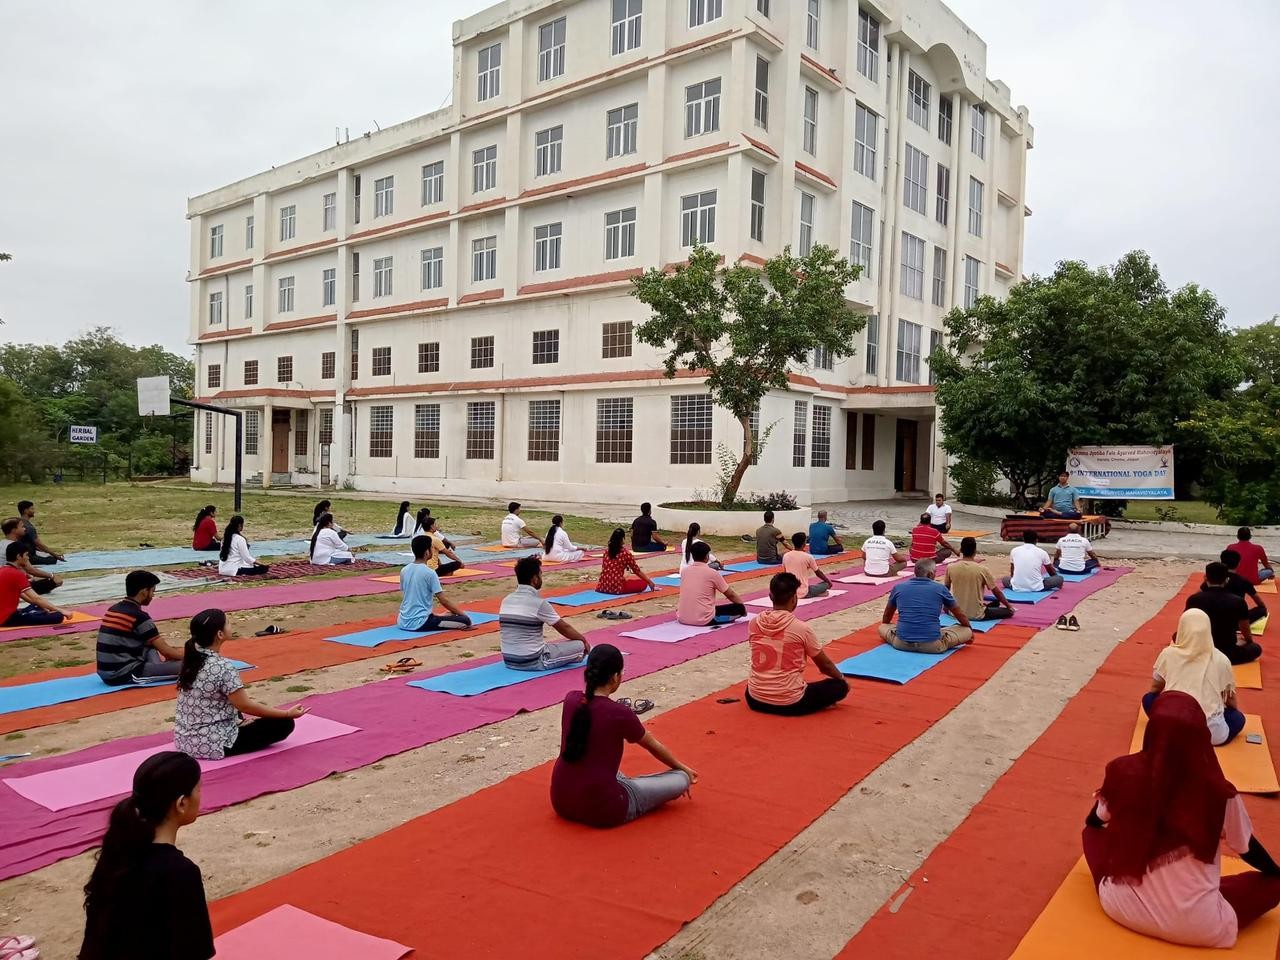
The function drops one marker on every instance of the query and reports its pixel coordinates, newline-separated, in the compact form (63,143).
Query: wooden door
(904,456)
(280,441)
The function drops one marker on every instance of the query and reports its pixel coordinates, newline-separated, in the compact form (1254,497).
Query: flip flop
(642,706)
(608,615)
(14,944)
(1072,623)
(270,631)
(403,665)
(1062,623)
(624,702)
(728,700)
(621,615)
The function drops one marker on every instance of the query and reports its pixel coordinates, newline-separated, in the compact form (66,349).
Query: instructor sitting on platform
(1063,502)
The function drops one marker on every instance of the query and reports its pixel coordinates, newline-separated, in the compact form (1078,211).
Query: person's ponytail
(205,627)
(695,528)
(326,520)
(550,542)
(603,663)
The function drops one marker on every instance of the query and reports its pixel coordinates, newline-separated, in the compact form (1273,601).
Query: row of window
(915,191)
(912,281)
(919,108)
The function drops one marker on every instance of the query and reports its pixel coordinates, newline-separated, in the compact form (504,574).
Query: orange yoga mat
(1247,765)
(1248,675)
(76,616)
(976,534)
(461,574)
(1024,836)
(1267,586)
(497,874)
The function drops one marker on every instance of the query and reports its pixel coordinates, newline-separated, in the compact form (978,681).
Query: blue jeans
(645,794)
(825,550)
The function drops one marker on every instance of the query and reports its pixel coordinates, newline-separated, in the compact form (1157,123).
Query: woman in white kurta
(326,546)
(686,545)
(558,547)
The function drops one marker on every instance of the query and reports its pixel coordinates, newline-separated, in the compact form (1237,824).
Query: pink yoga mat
(287,933)
(669,632)
(113,776)
(766,602)
(865,579)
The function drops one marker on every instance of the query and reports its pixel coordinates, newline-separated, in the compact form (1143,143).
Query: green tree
(1083,356)
(743,328)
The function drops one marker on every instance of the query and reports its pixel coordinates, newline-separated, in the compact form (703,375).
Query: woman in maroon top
(204,532)
(613,569)
(586,786)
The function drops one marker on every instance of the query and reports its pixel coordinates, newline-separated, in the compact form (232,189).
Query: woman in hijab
(1193,665)
(1151,840)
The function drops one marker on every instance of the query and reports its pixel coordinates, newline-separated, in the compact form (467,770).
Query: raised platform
(1093,527)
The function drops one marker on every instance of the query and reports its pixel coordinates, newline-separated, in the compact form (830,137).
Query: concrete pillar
(342,335)
(891,257)
(955,295)
(266,443)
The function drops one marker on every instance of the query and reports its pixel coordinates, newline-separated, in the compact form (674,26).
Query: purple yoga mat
(1063,601)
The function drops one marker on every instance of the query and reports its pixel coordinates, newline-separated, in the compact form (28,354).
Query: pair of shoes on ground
(638,706)
(1068,623)
(613,615)
(18,948)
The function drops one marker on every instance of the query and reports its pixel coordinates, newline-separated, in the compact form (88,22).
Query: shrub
(780,500)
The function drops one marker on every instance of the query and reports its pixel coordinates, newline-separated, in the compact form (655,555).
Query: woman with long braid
(585,784)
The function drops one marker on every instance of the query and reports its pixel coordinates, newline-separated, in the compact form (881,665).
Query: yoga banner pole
(226,412)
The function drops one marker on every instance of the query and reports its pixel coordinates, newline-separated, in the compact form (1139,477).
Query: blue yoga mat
(1077,577)
(890,665)
(979,626)
(1025,596)
(371,638)
(46,693)
(585,598)
(481,679)
(746,565)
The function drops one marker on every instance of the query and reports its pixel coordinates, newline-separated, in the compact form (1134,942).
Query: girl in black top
(145,900)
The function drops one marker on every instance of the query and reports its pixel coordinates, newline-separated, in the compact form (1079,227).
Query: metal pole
(239,452)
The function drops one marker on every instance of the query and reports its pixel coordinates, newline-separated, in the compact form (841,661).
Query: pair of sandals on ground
(1067,623)
(19,948)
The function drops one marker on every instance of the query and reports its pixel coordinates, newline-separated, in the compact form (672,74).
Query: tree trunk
(748,451)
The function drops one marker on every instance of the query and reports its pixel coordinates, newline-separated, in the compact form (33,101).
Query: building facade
(443,307)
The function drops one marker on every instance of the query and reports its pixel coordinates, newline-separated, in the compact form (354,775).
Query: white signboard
(153,396)
(1122,473)
(84,434)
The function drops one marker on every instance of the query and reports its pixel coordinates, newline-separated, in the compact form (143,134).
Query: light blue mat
(890,665)
(1025,596)
(371,638)
(1077,577)
(46,693)
(979,626)
(670,580)
(585,598)
(746,565)
(482,679)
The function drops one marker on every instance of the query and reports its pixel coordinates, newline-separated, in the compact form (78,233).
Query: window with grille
(620,128)
(757,205)
(551,49)
(912,267)
(544,430)
(215,241)
(908,351)
(812,24)
(976,191)
(214,375)
(329,211)
(248,301)
(873,344)
(620,234)
(300,433)
(704,11)
(822,358)
(942,204)
(978,131)
(946,115)
(799,434)
(329,287)
(761,110)
(215,308)
(481,421)
(806,223)
(384,194)
(433,268)
(251,420)
(284,302)
(691,429)
(288,222)
(248,233)
(698,218)
(426,431)
(939,277)
(546,247)
(860,237)
(613,429)
(919,94)
(489,72)
(328,365)
(355,353)
(868,46)
(381,431)
(702,108)
(284,369)
(484,259)
(250,373)
(546,346)
(864,141)
(382,277)
(915,190)
(615,339)
(625,25)
(208,433)
(433,183)
(381,365)
(429,357)
(935,341)
(325,432)
(548,146)
(820,454)
(810,124)
(484,169)
(971,291)
(481,352)
(355,201)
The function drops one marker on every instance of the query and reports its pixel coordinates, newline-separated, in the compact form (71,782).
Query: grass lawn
(1184,511)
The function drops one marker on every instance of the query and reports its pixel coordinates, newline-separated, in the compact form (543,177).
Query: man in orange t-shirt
(780,642)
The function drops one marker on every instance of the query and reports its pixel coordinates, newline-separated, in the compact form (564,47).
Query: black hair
(937,495)
(326,520)
(1216,573)
(527,568)
(23,506)
(695,528)
(782,587)
(428,524)
(798,540)
(550,542)
(404,508)
(969,547)
(1030,536)
(603,663)
(512,507)
(205,626)
(205,511)
(234,525)
(1244,533)
(321,508)
(159,782)
(14,550)
(1230,559)
(139,580)
(768,516)
(615,542)
(700,551)
(421,546)
(645,508)
(423,516)
(10,525)
(877,528)
(925,518)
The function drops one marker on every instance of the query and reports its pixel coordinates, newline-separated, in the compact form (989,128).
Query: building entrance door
(279,441)
(904,456)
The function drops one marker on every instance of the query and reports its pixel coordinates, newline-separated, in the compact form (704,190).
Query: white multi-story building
(444,306)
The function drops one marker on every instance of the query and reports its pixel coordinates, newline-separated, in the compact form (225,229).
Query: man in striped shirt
(928,543)
(130,648)
(520,621)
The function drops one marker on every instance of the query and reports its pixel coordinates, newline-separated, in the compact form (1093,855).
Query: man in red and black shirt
(1254,565)
(928,543)
(130,648)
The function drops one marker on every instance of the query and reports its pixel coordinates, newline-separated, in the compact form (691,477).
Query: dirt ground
(805,902)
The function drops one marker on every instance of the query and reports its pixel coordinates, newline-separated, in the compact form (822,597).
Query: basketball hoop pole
(239,418)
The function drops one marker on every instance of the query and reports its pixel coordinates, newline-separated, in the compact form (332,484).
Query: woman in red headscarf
(1152,839)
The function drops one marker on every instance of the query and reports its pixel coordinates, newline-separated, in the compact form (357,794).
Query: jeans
(450,621)
(653,546)
(728,610)
(1266,573)
(1089,564)
(448,567)
(1050,583)
(554,656)
(260,733)
(646,794)
(41,559)
(154,665)
(33,616)
(43,586)
(1061,514)
(774,561)
(817,696)
(826,549)
(818,589)
(995,611)
(1234,718)
(951,637)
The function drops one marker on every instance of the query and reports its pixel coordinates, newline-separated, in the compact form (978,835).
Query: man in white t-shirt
(514,532)
(880,557)
(939,514)
(1028,566)
(1074,553)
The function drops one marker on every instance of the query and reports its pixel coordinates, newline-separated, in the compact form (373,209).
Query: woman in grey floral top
(210,722)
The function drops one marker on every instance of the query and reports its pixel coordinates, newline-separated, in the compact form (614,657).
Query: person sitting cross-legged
(617,562)
(15,587)
(36,550)
(1063,500)
(1193,665)
(822,537)
(880,555)
(15,531)
(1255,566)
(699,585)
(420,588)
(1236,584)
(920,603)
(970,581)
(768,541)
(644,532)
(802,565)
(1073,553)
(521,618)
(939,513)
(1030,569)
(130,647)
(928,543)
(514,531)
(1228,616)
(780,642)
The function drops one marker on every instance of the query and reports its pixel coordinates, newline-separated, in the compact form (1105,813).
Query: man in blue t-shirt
(822,537)
(1063,502)
(420,588)
(920,603)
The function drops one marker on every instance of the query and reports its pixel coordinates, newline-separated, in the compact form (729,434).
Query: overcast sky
(1155,126)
